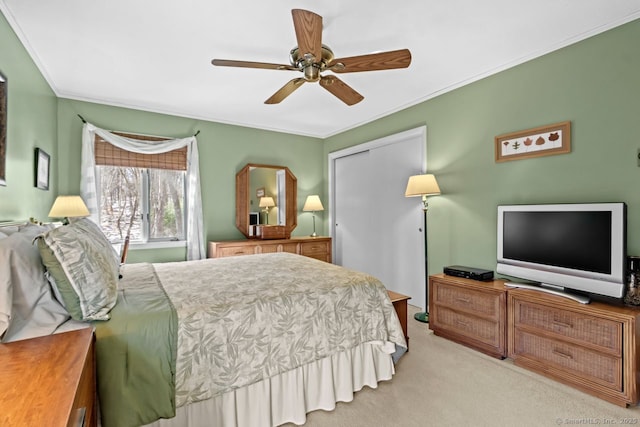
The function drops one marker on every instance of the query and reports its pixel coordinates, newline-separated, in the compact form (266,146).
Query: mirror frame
(242,198)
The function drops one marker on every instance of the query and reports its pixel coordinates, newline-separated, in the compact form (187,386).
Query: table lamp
(266,203)
(68,207)
(313,204)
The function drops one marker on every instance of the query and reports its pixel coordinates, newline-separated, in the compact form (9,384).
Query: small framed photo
(42,169)
(536,142)
(260,192)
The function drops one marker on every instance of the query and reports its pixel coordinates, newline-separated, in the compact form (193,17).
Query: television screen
(578,247)
(577,240)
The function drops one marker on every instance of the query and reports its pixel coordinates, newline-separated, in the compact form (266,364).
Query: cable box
(468,272)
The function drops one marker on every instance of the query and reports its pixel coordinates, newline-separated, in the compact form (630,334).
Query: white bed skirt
(288,397)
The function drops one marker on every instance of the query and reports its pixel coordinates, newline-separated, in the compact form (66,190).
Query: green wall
(223,149)
(595,84)
(31,123)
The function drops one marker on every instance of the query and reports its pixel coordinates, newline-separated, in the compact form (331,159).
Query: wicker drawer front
(468,300)
(475,328)
(588,364)
(592,331)
(236,250)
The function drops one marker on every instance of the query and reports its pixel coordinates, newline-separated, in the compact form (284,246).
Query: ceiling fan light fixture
(311,57)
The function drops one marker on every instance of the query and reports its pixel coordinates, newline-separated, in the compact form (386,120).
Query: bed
(257,340)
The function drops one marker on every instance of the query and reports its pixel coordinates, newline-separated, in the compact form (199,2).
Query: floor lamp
(423,185)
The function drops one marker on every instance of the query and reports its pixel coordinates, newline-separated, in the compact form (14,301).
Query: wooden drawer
(319,250)
(583,329)
(291,248)
(269,249)
(235,250)
(313,248)
(467,300)
(485,331)
(469,312)
(589,364)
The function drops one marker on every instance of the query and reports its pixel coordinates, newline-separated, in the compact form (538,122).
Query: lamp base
(422,317)
(314,234)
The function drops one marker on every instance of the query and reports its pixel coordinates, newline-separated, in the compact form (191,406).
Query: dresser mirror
(256,183)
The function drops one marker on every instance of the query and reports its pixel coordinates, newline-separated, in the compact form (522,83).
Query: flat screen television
(565,247)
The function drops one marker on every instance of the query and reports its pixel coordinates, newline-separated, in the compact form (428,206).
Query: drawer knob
(464,300)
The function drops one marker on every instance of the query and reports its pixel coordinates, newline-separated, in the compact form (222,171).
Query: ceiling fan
(311,57)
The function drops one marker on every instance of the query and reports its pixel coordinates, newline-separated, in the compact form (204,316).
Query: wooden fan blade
(373,62)
(249,64)
(285,91)
(341,90)
(308,28)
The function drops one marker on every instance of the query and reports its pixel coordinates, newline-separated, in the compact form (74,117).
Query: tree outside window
(145,203)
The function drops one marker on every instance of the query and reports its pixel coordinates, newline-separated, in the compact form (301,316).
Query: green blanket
(136,353)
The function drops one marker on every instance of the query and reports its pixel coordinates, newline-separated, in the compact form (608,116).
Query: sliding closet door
(375,228)
(353,222)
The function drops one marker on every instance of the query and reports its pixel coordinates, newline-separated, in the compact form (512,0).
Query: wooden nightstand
(400,304)
(48,381)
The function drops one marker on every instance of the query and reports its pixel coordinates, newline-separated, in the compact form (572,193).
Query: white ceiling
(155,55)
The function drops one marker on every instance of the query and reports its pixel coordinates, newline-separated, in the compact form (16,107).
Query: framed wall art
(260,192)
(42,169)
(536,142)
(3,129)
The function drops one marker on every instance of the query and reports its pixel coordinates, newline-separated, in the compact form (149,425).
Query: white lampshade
(266,202)
(312,204)
(422,185)
(68,207)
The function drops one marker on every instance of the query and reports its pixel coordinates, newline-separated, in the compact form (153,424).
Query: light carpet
(441,383)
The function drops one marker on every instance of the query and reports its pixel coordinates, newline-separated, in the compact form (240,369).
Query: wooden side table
(400,304)
(48,381)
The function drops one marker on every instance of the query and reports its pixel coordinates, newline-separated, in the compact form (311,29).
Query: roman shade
(107,154)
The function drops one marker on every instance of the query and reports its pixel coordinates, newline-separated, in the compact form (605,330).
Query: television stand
(578,298)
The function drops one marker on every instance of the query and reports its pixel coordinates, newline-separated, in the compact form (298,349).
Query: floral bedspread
(246,318)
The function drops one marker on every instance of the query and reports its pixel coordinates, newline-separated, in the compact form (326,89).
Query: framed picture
(260,192)
(42,169)
(3,130)
(536,142)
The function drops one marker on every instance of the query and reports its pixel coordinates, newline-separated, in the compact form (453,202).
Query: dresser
(313,247)
(469,312)
(49,381)
(592,347)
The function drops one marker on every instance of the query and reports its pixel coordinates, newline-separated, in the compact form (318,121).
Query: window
(141,195)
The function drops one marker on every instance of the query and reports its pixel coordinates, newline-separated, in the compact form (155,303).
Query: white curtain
(88,183)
